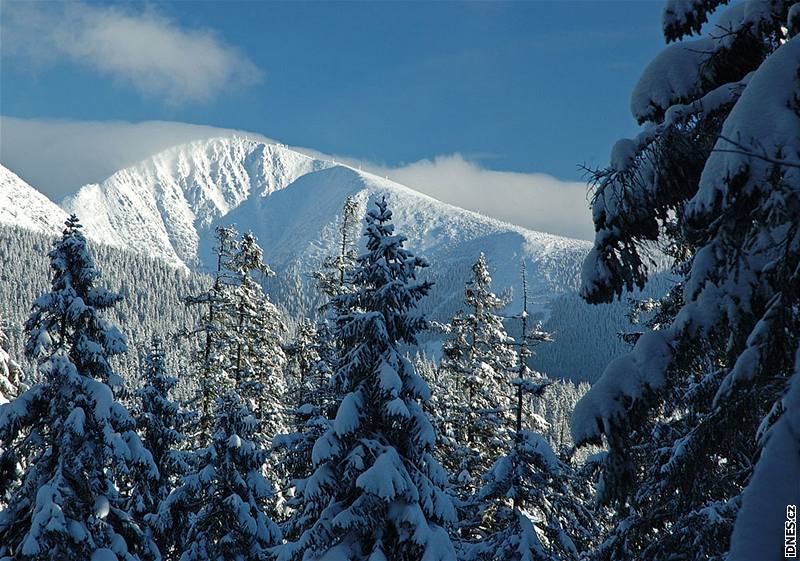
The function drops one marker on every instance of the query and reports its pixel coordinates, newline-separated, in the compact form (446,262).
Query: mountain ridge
(23,205)
(181,189)
(450,238)
(167,207)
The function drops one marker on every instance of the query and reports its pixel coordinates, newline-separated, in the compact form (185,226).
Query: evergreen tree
(218,511)
(10,386)
(331,279)
(528,339)
(303,361)
(213,377)
(160,423)
(10,372)
(376,491)
(76,442)
(312,402)
(311,358)
(532,510)
(220,508)
(528,504)
(480,356)
(251,335)
(688,411)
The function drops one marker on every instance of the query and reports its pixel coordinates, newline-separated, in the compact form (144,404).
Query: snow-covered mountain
(297,228)
(168,205)
(160,206)
(24,206)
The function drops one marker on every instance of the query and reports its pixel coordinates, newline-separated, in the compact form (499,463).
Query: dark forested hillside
(152,293)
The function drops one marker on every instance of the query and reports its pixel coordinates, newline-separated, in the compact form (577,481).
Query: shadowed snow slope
(22,205)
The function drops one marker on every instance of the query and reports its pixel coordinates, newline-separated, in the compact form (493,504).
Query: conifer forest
(234,350)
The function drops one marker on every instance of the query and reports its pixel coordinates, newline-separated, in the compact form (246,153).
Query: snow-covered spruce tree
(688,411)
(331,278)
(10,372)
(160,423)
(549,415)
(250,339)
(534,506)
(75,441)
(527,382)
(530,504)
(303,363)
(10,386)
(213,376)
(311,401)
(311,358)
(441,409)
(376,492)
(480,357)
(223,502)
(445,409)
(772,486)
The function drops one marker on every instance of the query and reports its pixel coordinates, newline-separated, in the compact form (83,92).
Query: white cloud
(58,157)
(533,200)
(145,50)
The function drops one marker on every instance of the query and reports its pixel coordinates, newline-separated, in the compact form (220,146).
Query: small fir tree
(219,510)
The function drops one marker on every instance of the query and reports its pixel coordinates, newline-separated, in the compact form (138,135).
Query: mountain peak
(158,205)
(168,205)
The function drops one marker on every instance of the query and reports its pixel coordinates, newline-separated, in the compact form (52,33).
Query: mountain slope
(22,205)
(152,300)
(159,206)
(297,225)
(168,206)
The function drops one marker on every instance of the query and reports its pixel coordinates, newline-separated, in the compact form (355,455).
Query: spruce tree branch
(744,150)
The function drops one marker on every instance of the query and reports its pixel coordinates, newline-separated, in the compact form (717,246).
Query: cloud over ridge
(534,200)
(58,157)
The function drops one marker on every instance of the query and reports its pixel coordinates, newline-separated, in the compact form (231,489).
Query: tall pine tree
(251,335)
(311,358)
(214,377)
(376,492)
(529,504)
(76,442)
(480,357)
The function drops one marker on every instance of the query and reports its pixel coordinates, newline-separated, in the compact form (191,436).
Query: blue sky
(490,106)
(536,86)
